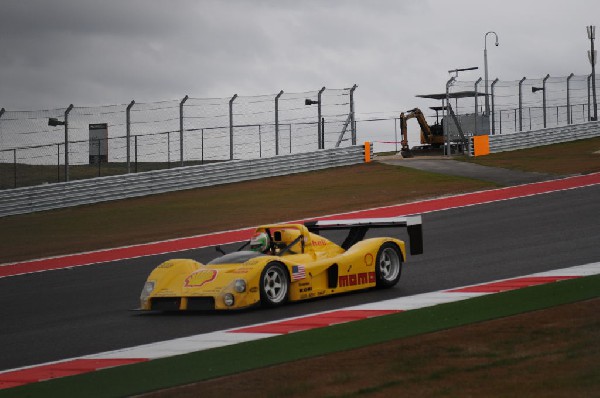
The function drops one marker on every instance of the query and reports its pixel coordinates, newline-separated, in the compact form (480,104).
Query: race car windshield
(235,258)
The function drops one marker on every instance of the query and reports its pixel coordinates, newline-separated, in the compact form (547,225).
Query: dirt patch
(549,353)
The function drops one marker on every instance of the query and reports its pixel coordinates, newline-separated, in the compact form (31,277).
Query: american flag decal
(298,272)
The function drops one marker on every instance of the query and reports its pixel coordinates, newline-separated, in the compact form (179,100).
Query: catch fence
(59,145)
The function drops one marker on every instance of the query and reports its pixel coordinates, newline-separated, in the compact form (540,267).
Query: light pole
(591,31)
(485,63)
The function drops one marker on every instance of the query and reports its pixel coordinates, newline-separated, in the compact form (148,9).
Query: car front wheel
(274,285)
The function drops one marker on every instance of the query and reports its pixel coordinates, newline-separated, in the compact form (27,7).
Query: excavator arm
(425,130)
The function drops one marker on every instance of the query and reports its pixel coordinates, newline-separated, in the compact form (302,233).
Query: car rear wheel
(274,285)
(389,265)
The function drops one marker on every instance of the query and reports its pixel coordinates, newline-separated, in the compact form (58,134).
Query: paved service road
(72,312)
(505,177)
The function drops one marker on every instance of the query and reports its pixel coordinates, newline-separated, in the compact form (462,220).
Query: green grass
(203,365)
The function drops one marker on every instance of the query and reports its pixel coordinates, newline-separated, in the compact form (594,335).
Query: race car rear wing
(359,227)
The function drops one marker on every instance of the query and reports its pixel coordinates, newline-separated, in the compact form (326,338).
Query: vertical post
(277,122)
(99,162)
(57,162)
(589,88)
(168,149)
(67,142)
(15,165)
(1,113)
(521,104)
(352,120)
(446,119)
(591,30)
(259,143)
(231,126)
(181,129)
(290,138)
(128,134)
(493,107)
(136,153)
(321,143)
(544,97)
(202,142)
(569,121)
(476,105)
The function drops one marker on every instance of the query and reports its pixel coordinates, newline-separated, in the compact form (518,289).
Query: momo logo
(362,278)
(200,278)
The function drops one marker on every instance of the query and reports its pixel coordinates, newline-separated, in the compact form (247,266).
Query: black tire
(274,285)
(388,266)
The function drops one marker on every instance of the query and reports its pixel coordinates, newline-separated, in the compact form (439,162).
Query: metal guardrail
(80,192)
(555,135)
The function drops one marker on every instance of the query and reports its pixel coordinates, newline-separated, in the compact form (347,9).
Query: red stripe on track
(62,369)
(511,284)
(221,238)
(315,321)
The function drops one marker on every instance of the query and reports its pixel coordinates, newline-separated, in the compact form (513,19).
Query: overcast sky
(86,52)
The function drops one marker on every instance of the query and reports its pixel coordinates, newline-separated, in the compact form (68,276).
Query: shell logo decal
(200,278)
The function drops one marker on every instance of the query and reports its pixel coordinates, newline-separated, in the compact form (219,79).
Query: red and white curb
(221,238)
(89,363)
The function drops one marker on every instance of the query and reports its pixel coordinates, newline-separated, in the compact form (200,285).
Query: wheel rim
(389,264)
(275,286)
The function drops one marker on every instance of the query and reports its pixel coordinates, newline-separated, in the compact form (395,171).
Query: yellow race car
(286,262)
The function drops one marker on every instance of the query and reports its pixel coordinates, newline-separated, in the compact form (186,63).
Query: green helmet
(260,242)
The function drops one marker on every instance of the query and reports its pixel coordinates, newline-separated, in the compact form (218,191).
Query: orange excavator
(431,137)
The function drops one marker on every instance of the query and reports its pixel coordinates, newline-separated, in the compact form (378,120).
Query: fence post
(589,87)
(128,130)
(277,122)
(319,130)
(15,165)
(521,104)
(67,142)
(544,97)
(181,128)
(476,105)
(493,121)
(569,121)
(231,126)
(352,121)
(58,162)
(1,113)
(448,150)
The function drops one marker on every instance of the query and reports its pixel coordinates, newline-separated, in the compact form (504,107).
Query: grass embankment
(575,157)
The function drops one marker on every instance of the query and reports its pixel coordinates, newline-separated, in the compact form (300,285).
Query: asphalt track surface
(68,313)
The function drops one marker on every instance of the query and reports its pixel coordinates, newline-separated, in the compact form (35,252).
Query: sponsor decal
(298,272)
(368,259)
(201,277)
(305,289)
(254,290)
(319,242)
(362,278)
(239,271)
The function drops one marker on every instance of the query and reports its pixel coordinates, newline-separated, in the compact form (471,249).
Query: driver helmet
(260,242)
